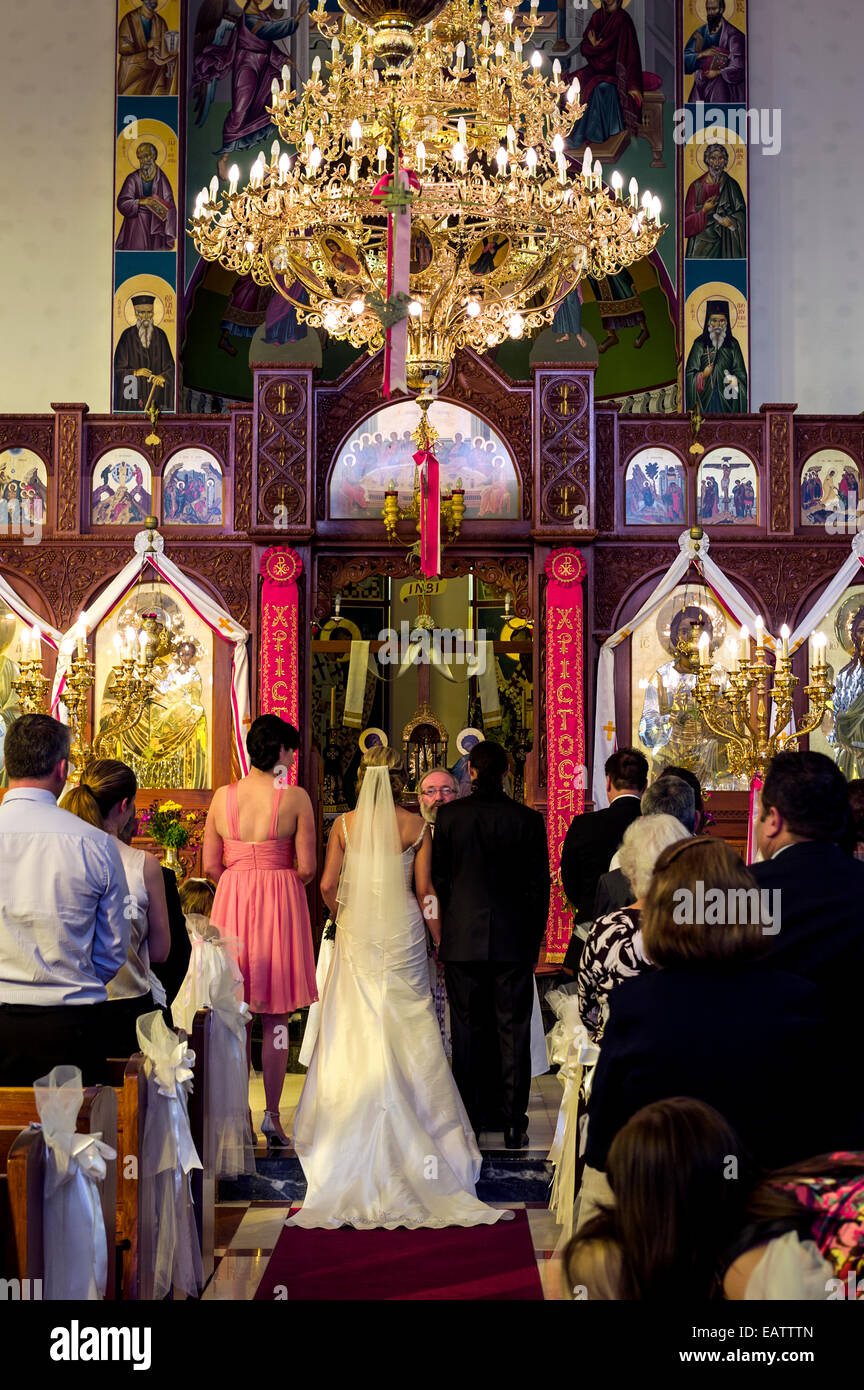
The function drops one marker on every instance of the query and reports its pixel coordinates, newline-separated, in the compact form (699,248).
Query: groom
(490,868)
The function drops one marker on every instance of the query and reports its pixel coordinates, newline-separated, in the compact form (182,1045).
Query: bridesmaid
(260,849)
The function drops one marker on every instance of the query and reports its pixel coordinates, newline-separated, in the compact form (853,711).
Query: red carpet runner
(460,1262)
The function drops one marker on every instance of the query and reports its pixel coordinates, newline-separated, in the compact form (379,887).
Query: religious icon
(421,252)
(715,55)
(830,490)
(121,489)
(23,489)
(727,486)
(9,707)
(192,489)
(143,353)
(164,739)
(372,738)
(148,53)
(465,741)
(655,489)
(846,736)
(716,375)
(341,256)
(488,253)
(146,204)
(715,210)
(671,728)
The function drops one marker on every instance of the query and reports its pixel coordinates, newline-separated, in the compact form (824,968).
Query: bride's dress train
(381,1131)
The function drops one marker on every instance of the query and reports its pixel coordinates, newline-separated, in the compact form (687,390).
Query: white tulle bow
(75,1241)
(171,1253)
(571,1047)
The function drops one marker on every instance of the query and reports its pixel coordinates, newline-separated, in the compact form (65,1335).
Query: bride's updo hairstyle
(389,758)
(267,735)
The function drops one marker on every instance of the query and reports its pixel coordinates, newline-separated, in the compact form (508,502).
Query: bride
(381,1130)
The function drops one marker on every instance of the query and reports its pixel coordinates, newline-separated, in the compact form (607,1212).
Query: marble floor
(250,1213)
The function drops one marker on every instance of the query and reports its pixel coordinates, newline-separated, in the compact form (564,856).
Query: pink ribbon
(398,278)
(430,513)
(752,813)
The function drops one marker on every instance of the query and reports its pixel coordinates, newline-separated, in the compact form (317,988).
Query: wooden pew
(130,1086)
(22,1162)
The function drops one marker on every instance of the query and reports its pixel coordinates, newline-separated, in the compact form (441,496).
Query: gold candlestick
(31,687)
(79,678)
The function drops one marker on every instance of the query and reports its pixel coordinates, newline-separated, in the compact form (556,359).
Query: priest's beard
(145,332)
(717,336)
(428,812)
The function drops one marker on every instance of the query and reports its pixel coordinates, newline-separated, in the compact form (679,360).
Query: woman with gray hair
(613,951)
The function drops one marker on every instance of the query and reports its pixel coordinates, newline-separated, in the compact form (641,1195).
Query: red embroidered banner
(567,774)
(279,643)
(430,513)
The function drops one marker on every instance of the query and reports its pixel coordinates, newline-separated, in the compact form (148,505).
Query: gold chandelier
(503,223)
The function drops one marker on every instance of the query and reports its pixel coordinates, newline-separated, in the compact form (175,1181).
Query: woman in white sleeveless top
(106,798)
(380,1130)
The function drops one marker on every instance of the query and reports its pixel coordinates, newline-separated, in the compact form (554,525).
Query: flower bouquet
(172,828)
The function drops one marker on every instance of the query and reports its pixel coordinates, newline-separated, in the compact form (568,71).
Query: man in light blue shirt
(64,919)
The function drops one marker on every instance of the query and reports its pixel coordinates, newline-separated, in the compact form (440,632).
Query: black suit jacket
(752,1042)
(614,890)
(490,868)
(821,934)
(172,972)
(588,847)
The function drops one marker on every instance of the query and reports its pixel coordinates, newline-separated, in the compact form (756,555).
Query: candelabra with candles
(753,712)
(30,686)
(79,679)
(452,502)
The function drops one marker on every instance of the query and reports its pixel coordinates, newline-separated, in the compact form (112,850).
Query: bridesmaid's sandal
(270,1128)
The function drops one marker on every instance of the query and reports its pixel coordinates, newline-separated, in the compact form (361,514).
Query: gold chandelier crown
(504,223)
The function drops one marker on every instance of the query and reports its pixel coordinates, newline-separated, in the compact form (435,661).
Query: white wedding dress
(381,1131)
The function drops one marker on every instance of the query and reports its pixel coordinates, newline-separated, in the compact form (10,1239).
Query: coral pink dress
(260,900)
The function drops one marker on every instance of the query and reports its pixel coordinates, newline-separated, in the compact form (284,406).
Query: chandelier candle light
(753,713)
(443,109)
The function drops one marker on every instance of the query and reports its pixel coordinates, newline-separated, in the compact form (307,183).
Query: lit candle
(760,635)
(745,645)
(421,157)
(142,643)
(586,164)
(36,639)
(704,644)
(357,54)
(233,176)
(784,633)
(81,634)
(382,159)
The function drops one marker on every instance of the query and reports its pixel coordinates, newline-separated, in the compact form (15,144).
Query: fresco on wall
(715,335)
(381,450)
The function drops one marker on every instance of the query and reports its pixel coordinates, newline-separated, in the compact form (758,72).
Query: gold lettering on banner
(280,663)
(565,699)
(279,690)
(565,744)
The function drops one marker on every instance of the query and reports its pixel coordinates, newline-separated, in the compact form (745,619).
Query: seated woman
(614,949)
(694,1219)
(715,1023)
(105,797)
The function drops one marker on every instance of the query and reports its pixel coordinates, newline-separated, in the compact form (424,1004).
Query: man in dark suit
(594,836)
(668,796)
(804,811)
(490,868)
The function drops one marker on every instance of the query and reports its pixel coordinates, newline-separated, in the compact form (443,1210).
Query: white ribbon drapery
(570,1046)
(170,1250)
(847,574)
(25,614)
(74,1237)
(214,981)
(216,618)
(691,552)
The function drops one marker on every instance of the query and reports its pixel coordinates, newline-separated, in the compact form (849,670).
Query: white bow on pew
(571,1047)
(228,1072)
(74,1239)
(171,1253)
